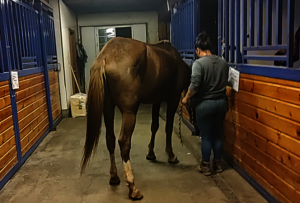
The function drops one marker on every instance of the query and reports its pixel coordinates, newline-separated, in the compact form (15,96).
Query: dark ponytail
(202,42)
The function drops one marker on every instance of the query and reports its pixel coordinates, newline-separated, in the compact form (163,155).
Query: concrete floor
(51,174)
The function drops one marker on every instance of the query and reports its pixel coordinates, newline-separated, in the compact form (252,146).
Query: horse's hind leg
(128,124)
(109,114)
(154,129)
(171,110)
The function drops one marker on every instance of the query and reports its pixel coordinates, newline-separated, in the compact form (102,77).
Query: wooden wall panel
(55,95)
(32,110)
(262,133)
(8,151)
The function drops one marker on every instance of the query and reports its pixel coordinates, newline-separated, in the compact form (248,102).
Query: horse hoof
(173,160)
(151,157)
(136,195)
(114,181)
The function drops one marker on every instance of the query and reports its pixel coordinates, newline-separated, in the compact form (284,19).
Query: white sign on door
(234,78)
(14,79)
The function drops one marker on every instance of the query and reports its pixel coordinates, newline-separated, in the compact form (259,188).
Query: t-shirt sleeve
(196,78)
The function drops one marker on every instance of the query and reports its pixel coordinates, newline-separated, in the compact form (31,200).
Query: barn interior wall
(104,19)
(64,19)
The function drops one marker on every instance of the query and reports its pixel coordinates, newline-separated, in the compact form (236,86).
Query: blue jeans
(210,116)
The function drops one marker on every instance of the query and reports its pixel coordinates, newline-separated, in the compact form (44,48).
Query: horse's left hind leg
(128,124)
(171,110)
(154,129)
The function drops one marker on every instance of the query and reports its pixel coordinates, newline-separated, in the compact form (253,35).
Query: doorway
(73,59)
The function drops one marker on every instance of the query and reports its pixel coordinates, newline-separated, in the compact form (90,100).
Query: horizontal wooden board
(28,119)
(5,124)
(5,147)
(254,126)
(29,91)
(268,161)
(6,158)
(271,80)
(251,137)
(289,143)
(2,83)
(29,100)
(5,101)
(4,90)
(278,123)
(33,124)
(30,108)
(36,130)
(280,92)
(5,112)
(6,135)
(284,156)
(30,76)
(35,139)
(23,84)
(277,107)
(274,180)
(8,167)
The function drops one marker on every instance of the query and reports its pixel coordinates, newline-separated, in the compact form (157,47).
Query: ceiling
(99,6)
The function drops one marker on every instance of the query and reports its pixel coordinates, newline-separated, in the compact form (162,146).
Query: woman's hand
(185,101)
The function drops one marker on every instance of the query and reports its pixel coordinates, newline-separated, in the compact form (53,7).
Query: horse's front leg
(128,124)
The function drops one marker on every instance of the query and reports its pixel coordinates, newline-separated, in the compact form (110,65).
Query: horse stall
(259,39)
(29,92)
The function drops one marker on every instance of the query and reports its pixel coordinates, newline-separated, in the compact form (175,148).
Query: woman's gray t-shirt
(209,78)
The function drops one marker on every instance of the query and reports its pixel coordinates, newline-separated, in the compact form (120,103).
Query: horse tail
(95,105)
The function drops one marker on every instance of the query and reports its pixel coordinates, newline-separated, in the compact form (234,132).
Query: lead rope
(180,121)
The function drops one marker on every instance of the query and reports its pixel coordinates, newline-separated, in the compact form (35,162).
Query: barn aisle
(51,174)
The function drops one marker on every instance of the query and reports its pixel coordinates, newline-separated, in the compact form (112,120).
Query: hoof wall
(173,161)
(151,158)
(136,195)
(114,181)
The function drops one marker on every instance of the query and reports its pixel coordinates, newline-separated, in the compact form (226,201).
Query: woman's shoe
(204,168)
(217,166)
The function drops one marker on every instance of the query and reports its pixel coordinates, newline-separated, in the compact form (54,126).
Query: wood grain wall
(262,133)
(32,109)
(55,95)
(8,151)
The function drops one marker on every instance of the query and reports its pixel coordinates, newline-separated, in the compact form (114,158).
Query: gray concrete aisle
(51,174)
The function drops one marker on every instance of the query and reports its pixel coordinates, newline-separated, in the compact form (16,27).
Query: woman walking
(208,86)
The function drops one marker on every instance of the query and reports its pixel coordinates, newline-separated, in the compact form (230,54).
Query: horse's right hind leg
(154,129)
(109,115)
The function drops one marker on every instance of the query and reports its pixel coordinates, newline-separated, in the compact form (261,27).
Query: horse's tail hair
(95,105)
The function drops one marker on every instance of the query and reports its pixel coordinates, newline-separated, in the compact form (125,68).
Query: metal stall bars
(50,61)
(252,36)
(185,26)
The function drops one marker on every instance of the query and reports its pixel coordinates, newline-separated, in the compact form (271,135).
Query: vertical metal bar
(269,23)
(34,32)
(11,38)
(238,31)
(25,34)
(46,73)
(227,30)
(220,27)
(278,22)
(260,22)
(252,25)
(4,35)
(290,36)
(40,57)
(244,29)
(232,30)
(18,44)
(22,42)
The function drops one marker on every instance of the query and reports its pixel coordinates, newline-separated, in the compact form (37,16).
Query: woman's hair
(202,41)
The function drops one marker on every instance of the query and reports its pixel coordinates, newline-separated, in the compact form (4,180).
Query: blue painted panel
(4,76)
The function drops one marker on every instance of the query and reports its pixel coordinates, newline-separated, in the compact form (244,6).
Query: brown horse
(125,74)
(295,53)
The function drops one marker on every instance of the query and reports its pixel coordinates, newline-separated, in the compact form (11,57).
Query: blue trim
(34,146)
(249,179)
(9,175)
(271,48)
(4,76)
(24,5)
(271,72)
(55,124)
(15,120)
(265,57)
(52,66)
(30,71)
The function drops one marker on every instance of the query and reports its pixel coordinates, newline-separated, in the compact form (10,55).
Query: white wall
(67,20)
(108,19)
